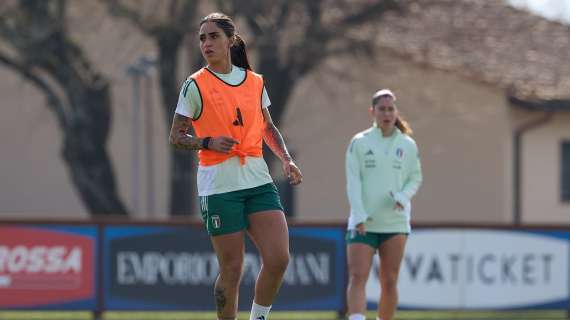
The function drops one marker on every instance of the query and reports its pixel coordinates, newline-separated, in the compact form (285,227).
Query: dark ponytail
(238,54)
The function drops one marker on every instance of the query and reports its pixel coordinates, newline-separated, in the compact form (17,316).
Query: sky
(558,10)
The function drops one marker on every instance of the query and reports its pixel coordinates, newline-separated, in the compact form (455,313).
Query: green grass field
(326,315)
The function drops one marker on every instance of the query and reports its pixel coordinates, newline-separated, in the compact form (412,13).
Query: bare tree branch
(53,101)
(184,19)
(226,6)
(367,13)
(293,37)
(117,8)
(173,8)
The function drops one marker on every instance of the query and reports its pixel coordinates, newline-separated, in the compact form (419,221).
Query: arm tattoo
(274,140)
(179,136)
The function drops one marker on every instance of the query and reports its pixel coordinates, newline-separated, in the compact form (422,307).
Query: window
(565,172)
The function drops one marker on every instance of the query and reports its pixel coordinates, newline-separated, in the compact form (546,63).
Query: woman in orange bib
(228,107)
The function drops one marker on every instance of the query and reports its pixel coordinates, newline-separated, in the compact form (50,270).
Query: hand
(361,229)
(292,172)
(397,206)
(222,144)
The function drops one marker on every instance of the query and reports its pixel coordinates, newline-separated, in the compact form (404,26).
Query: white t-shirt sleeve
(265,102)
(189,100)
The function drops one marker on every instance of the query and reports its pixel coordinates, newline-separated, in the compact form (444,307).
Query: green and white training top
(229,175)
(380,171)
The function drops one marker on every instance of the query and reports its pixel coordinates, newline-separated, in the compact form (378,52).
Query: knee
(358,274)
(357,277)
(230,271)
(277,262)
(389,283)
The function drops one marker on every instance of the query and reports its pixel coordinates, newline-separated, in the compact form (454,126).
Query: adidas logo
(369,153)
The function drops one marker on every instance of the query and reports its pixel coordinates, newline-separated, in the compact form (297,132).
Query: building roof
(552,105)
(487,40)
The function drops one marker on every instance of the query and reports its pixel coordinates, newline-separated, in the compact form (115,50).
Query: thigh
(391,252)
(223,213)
(269,232)
(229,248)
(359,258)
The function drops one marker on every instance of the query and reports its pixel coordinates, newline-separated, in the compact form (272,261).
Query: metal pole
(146,64)
(149,135)
(135,72)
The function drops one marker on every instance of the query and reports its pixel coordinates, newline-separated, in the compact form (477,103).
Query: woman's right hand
(361,229)
(222,144)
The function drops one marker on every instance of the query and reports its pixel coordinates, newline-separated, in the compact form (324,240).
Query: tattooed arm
(179,136)
(273,138)
(275,142)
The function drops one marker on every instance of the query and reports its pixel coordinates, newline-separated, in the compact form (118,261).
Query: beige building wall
(541,169)
(462,128)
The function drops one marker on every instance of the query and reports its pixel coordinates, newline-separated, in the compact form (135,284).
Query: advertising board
(482,269)
(174,268)
(48,267)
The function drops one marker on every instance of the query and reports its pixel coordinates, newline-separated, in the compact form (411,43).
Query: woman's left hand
(292,172)
(398,206)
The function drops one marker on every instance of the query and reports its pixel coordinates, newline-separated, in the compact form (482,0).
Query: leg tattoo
(220,298)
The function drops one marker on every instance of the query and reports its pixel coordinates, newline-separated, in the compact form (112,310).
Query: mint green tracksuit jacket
(380,171)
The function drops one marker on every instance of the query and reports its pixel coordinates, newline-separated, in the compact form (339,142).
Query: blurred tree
(291,38)
(167,23)
(38,47)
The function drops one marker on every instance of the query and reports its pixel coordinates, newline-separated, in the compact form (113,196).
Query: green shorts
(373,239)
(228,212)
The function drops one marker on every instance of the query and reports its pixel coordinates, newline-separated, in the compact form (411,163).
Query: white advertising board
(479,269)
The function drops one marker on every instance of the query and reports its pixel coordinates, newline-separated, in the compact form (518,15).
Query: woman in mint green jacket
(383,173)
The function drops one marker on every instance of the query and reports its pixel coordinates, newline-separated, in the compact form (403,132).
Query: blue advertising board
(174,268)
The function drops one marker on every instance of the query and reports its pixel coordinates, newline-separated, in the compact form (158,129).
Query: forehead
(385,102)
(209,27)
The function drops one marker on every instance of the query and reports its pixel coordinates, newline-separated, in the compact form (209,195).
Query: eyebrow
(210,34)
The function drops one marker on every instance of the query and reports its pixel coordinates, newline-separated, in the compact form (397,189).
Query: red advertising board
(46,266)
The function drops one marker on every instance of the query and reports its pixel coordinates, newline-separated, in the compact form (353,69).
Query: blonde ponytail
(404,126)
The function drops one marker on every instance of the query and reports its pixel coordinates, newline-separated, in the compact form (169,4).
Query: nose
(206,43)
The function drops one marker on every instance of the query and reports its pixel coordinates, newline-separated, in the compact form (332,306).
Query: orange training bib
(232,111)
